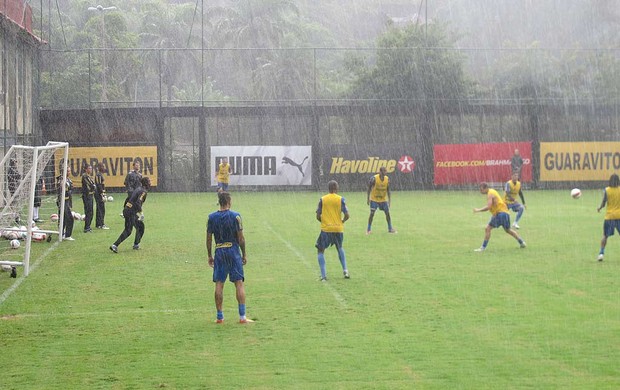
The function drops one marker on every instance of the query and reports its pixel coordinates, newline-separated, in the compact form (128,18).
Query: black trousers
(100,214)
(88,211)
(131,221)
(67,226)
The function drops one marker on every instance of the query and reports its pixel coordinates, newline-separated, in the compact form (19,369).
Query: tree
(253,24)
(413,63)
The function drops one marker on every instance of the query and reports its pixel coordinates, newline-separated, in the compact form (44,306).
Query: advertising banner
(579,161)
(352,166)
(117,159)
(475,163)
(265,165)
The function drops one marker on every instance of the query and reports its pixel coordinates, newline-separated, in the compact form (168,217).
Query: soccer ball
(575,193)
(15,244)
(39,236)
(54,217)
(110,199)
(77,216)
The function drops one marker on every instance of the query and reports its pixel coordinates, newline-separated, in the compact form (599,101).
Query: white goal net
(29,212)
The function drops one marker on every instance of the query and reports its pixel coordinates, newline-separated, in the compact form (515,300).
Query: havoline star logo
(406,164)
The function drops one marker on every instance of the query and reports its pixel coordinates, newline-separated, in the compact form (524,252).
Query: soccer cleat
(219,321)
(13,272)
(323,279)
(481,249)
(68,239)
(522,245)
(516,226)
(600,257)
(346,274)
(89,230)
(114,248)
(393,231)
(105,227)
(136,247)
(245,321)
(368,232)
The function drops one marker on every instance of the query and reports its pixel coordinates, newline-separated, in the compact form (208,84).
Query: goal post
(26,172)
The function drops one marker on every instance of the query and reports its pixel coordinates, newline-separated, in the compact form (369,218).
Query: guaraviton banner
(579,161)
(265,165)
(117,159)
(475,163)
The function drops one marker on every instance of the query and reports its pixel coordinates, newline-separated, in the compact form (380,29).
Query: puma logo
(286,160)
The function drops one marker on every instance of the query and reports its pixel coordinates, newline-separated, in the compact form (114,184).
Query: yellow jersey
(378,193)
(331,208)
(512,190)
(613,203)
(499,206)
(223,173)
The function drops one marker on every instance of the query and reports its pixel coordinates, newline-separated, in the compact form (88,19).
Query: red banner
(475,163)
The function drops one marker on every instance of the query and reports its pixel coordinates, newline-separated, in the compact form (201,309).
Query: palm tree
(254,24)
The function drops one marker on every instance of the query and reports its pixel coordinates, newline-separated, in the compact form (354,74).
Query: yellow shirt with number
(223,173)
(513,190)
(331,208)
(499,206)
(613,203)
(379,190)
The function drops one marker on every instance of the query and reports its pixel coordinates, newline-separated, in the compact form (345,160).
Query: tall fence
(185,102)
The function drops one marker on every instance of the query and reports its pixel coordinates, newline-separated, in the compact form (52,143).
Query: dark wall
(183,135)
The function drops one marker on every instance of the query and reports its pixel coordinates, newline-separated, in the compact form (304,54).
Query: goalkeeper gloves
(141,217)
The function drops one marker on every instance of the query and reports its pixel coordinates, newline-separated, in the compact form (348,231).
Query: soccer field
(421,310)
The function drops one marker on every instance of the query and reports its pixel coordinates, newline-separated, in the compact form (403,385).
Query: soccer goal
(27,172)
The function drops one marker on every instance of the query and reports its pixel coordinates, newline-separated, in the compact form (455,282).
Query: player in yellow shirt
(513,189)
(222,175)
(332,213)
(379,197)
(611,199)
(500,217)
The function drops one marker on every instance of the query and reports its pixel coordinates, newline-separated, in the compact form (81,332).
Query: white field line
(307,264)
(106,313)
(20,279)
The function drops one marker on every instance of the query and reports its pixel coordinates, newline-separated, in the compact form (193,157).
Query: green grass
(421,309)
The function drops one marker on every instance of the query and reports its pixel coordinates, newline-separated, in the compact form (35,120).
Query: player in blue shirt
(226,227)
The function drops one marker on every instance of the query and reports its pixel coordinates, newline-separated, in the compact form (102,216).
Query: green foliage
(421,309)
(520,52)
(413,63)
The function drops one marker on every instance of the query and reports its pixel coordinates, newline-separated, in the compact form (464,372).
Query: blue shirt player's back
(224,225)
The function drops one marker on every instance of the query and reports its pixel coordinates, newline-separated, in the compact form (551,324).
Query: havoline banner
(352,166)
(265,165)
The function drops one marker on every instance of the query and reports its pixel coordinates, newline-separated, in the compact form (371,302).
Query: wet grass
(421,309)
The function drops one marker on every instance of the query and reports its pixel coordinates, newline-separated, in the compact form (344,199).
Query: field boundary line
(307,264)
(104,313)
(33,266)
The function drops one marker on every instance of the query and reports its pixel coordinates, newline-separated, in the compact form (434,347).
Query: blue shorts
(227,262)
(222,186)
(516,207)
(379,205)
(500,219)
(609,226)
(326,240)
